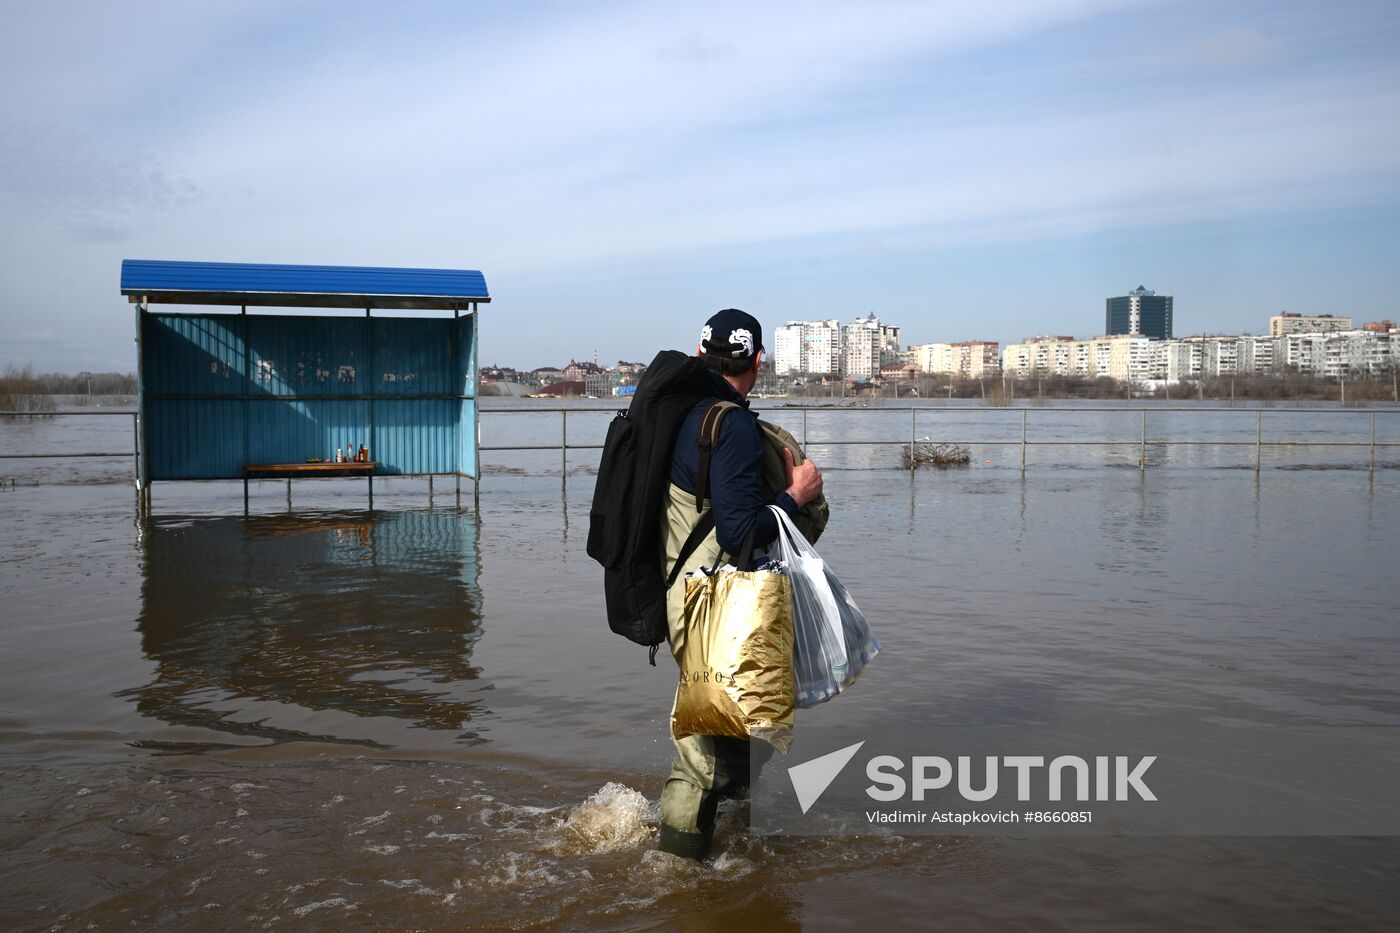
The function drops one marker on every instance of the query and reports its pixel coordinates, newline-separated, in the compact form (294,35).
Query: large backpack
(624,523)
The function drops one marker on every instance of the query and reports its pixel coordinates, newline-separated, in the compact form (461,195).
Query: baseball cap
(732,333)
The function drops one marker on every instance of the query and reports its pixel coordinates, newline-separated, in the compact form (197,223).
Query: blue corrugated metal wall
(414,436)
(289,431)
(297,356)
(194,438)
(413,356)
(189,354)
(314,383)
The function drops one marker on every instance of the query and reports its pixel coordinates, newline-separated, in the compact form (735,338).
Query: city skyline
(619,172)
(1333,345)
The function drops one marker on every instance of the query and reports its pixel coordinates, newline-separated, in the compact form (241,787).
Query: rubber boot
(684,844)
(681,803)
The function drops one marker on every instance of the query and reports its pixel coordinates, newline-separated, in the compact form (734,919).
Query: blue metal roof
(231,283)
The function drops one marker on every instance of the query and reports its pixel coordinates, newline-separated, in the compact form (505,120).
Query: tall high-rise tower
(1141,311)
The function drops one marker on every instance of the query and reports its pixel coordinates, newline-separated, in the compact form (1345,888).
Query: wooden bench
(304,470)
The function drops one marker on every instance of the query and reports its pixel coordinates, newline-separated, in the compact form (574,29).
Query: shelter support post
(247,417)
(370,380)
(136,457)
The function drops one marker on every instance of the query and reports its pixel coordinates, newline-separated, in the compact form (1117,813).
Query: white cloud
(529,144)
(576,141)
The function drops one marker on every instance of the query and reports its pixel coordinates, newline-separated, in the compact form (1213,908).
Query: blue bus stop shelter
(239,395)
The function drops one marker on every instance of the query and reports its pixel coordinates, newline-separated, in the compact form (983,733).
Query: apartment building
(978,358)
(970,359)
(889,344)
(1256,354)
(862,341)
(932,357)
(1330,354)
(1286,324)
(1120,356)
(807,347)
(1193,357)
(1337,355)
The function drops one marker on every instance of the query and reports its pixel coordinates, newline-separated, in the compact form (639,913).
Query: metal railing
(132,453)
(1024,442)
(1142,441)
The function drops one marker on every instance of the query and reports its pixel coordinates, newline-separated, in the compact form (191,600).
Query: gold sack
(736,658)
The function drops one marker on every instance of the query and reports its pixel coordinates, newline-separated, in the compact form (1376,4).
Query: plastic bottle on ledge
(339,455)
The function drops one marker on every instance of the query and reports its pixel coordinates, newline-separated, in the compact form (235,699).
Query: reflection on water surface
(257,625)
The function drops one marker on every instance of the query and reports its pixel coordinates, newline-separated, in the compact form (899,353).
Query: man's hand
(804,482)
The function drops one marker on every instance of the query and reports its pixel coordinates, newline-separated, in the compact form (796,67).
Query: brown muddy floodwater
(416,717)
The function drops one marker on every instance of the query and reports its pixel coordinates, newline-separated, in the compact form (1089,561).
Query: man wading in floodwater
(708,767)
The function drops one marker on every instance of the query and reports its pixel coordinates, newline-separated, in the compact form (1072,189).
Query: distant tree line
(83,383)
(22,389)
(19,391)
(993,389)
(1286,385)
(1004,390)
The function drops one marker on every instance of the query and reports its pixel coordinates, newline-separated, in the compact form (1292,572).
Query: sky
(620,171)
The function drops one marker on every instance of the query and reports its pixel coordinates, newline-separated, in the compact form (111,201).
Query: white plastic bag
(831,639)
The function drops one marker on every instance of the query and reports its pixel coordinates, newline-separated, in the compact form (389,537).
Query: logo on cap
(744,337)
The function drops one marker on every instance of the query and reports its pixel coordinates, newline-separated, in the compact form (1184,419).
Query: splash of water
(616,817)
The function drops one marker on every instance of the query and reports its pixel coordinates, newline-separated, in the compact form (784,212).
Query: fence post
(913,435)
(564,444)
(1258,441)
(1371,466)
(1142,446)
(1024,412)
(804,429)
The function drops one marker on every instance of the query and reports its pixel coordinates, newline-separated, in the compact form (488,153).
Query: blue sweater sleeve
(736,486)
